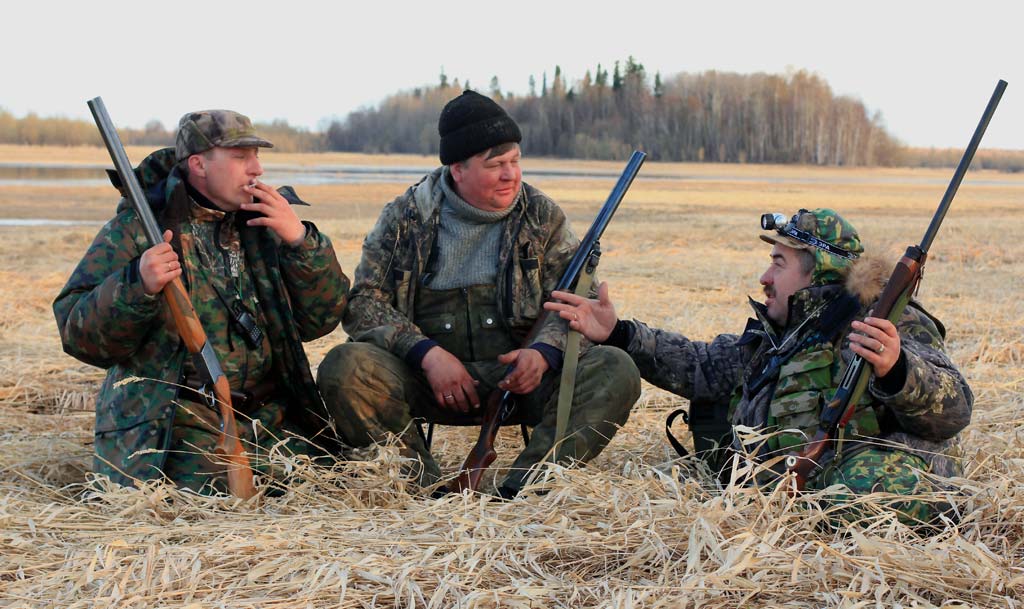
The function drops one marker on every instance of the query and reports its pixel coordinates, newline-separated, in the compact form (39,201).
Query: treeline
(712,116)
(999,160)
(33,130)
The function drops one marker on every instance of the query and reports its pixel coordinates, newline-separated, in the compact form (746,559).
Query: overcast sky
(928,67)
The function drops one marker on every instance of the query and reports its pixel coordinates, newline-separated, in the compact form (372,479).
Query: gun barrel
(961,169)
(124,168)
(604,217)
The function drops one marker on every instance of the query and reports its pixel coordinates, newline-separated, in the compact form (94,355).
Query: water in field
(63,175)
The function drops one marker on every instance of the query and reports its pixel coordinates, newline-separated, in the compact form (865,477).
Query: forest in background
(706,117)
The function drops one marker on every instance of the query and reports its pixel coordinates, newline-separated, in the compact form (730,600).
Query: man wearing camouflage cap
(452,278)
(776,376)
(261,282)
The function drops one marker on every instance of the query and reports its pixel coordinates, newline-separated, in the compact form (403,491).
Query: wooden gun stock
(229,446)
(483,454)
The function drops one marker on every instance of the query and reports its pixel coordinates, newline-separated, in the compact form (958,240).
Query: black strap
(680,449)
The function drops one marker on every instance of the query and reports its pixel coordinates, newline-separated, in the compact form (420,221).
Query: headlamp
(772,221)
(778,223)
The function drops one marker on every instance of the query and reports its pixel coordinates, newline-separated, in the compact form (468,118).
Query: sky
(928,67)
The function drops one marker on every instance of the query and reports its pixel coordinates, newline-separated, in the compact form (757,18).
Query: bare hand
(530,366)
(594,319)
(159,265)
(278,214)
(877,341)
(454,388)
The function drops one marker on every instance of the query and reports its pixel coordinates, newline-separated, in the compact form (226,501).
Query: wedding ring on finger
(449,396)
(881,349)
(575,317)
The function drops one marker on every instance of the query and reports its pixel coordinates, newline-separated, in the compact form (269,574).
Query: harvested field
(633,529)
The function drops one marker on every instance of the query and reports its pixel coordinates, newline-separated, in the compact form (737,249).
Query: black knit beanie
(472,123)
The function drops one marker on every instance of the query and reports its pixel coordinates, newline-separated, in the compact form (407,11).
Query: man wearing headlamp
(777,374)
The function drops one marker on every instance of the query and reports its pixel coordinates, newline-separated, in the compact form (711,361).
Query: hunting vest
(464,321)
(806,384)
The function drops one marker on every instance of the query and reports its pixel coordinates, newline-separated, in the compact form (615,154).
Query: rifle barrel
(604,217)
(961,169)
(124,167)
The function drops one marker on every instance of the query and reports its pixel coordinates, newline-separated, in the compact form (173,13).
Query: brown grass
(627,531)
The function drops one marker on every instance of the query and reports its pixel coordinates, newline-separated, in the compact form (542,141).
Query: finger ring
(449,396)
(575,317)
(168,267)
(881,348)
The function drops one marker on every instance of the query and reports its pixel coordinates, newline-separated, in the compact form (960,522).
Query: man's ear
(456,170)
(197,165)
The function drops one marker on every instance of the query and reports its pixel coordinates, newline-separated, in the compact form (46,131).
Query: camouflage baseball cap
(204,129)
(833,241)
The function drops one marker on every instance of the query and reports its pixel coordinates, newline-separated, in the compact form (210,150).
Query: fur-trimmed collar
(867,277)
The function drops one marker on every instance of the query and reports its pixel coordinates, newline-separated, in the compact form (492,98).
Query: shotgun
(229,447)
(501,405)
(897,292)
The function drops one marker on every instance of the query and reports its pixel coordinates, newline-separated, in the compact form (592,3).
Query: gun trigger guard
(207,392)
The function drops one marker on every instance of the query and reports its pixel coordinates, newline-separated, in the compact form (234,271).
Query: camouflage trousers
(879,470)
(191,459)
(371,393)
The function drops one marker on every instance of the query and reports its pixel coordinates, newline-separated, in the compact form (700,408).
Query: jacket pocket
(402,280)
(528,293)
(436,325)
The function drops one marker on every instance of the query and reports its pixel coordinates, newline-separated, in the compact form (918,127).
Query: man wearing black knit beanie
(452,278)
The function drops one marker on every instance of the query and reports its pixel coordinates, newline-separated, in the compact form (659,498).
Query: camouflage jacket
(105,319)
(924,416)
(536,247)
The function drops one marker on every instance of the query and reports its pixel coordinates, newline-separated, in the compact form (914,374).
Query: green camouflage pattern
(205,129)
(827,225)
(105,319)
(536,248)
(268,439)
(221,275)
(373,394)
(887,471)
(923,417)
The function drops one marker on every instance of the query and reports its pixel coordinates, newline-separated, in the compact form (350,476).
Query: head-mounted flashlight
(773,221)
(778,223)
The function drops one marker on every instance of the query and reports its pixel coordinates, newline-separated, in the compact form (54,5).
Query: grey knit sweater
(468,242)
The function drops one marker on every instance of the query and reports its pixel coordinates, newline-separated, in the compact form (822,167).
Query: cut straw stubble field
(627,531)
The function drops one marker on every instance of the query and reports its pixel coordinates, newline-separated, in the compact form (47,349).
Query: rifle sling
(570,362)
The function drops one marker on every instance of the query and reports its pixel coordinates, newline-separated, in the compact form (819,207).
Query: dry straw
(633,529)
